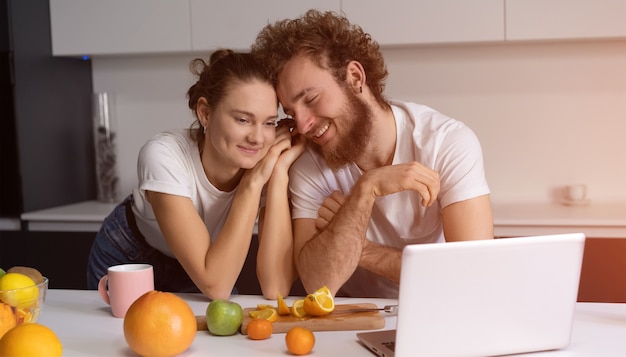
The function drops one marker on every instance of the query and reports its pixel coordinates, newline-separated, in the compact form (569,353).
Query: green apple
(2,272)
(223,317)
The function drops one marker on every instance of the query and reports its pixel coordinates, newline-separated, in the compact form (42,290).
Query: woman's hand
(285,131)
(265,167)
(288,144)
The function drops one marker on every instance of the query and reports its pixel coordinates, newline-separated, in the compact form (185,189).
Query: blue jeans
(120,242)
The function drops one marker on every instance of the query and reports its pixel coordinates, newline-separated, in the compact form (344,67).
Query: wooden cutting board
(339,320)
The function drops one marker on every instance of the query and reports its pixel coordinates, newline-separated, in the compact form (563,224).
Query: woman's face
(241,129)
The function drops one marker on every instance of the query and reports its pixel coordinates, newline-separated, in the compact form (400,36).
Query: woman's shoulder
(173,142)
(173,138)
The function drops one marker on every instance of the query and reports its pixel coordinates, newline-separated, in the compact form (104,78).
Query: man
(377,174)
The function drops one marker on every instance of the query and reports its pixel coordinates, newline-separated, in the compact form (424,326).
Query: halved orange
(267,314)
(319,303)
(283,309)
(297,309)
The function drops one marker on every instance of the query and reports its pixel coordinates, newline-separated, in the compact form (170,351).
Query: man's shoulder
(417,111)
(423,118)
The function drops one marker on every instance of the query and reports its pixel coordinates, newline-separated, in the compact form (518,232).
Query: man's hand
(410,176)
(329,208)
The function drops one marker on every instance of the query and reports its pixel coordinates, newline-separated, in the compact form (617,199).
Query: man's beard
(356,122)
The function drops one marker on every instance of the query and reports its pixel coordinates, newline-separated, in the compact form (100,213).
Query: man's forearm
(382,260)
(334,253)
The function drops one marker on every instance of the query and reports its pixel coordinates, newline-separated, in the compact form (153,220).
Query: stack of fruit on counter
(22,295)
(225,318)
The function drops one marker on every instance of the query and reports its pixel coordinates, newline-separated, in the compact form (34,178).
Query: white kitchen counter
(596,220)
(77,217)
(10,224)
(601,219)
(84,324)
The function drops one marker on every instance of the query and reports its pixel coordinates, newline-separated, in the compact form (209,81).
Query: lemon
(268,314)
(297,308)
(27,294)
(31,339)
(29,272)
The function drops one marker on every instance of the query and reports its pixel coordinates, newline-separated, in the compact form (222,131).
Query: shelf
(77,217)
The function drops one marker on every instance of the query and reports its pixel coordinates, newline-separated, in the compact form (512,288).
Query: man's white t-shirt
(170,163)
(424,135)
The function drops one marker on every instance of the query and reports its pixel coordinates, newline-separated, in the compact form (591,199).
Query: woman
(193,214)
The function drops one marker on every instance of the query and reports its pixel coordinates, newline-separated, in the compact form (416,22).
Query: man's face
(329,114)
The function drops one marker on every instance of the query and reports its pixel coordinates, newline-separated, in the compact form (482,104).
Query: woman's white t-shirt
(170,163)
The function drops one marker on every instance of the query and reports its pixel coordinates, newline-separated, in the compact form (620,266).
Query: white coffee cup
(576,192)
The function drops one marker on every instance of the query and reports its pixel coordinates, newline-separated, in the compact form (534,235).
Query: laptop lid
(488,297)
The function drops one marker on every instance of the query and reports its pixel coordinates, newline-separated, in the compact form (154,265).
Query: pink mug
(123,284)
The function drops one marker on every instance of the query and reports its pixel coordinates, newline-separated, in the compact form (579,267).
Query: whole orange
(299,340)
(31,339)
(159,324)
(260,329)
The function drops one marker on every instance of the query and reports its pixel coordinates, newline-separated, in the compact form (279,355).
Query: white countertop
(85,326)
(10,224)
(77,217)
(596,220)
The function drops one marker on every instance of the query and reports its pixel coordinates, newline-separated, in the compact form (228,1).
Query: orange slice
(283,309)
(267,314)
(319,303)
(264,306)
(297,309)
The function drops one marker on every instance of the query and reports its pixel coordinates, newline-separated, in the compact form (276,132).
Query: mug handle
(102,289)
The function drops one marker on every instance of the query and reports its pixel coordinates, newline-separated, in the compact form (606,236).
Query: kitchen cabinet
(60,256)
(565,19)
(114,27)
(603,275)
(236,23)
(401,22)
(603,271)
(118,27)
(95,27)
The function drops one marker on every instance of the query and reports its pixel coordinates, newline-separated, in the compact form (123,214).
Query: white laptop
(484,298)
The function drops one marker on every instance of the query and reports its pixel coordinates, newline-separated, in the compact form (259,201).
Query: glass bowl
(24,305)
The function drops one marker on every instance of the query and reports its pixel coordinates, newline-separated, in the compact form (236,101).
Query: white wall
(547,114)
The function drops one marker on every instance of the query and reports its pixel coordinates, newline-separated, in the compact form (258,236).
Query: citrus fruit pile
(159,324)
(315,304)
(299,340)
(20,296)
